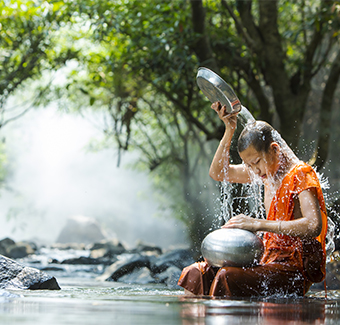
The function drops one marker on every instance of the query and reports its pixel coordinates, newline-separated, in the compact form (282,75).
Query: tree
(139,62)
(143,114)
(278,46)
(29,46)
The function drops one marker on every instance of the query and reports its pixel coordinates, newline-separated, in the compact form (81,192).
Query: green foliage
(137,62)
(29,42)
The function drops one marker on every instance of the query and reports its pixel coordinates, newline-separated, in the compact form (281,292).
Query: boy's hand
(242,221)
(229,119)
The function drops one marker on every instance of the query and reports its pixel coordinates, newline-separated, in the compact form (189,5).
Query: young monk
(296,224)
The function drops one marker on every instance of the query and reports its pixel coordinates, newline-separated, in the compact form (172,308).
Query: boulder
(174,274)
(147,249)
(107,248)
(138,276)
(170,272)
(81,229)
(16,276)
(11,249)
(4,244)
(19,250)
(124,266)
(178,257)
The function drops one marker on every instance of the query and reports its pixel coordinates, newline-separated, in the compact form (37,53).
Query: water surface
(87,301)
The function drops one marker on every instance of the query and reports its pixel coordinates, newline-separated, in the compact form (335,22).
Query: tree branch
(246,26)
(184,109)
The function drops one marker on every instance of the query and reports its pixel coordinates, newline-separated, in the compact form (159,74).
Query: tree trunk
(202,47)
(322,148)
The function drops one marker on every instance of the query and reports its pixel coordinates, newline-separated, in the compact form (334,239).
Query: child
(296,224)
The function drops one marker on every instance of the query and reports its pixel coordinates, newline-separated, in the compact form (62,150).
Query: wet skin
(271,167)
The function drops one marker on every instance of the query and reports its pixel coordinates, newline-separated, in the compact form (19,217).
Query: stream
(87,301)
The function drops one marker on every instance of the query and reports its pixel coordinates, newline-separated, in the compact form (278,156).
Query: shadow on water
(85,301)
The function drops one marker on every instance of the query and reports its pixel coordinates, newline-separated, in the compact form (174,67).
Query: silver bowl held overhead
(216,89)
(232,247)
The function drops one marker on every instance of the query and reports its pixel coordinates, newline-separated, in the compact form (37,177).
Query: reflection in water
(86,302)
(276,312)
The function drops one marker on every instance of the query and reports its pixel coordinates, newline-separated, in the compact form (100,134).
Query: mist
(53,177)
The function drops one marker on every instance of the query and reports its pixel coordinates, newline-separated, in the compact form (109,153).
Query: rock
(68,246)
(16,276)
(11,249)
(177,257)
(53,268)
(138,276)
(81,229)
(169,272)
(174,274)
(19,250)
(83,260)
(4,244)
(107,248)
(124,266)
(147,249)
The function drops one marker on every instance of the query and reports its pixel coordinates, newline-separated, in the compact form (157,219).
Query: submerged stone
(147,249)
(83,260)
(124,266)
(107,248)
(170,277)
(138,276)
(16,276)
(178,257)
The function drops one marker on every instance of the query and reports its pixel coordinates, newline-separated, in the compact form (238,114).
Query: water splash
(332,215)
(242,198)
(248,199)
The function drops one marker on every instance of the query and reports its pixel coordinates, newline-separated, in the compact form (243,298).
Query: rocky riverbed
(106,260)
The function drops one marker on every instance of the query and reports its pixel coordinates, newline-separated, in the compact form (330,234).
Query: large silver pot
(232,247)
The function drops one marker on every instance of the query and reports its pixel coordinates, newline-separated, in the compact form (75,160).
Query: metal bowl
(232,247)
(216,89)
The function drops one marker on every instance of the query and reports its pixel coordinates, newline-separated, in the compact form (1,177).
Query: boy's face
(263,164)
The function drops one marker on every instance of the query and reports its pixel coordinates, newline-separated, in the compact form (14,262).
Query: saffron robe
(289,264)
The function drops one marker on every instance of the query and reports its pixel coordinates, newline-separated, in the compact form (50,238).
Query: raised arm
(220,169)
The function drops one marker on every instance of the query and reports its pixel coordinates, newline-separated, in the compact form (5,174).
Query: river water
(87,301)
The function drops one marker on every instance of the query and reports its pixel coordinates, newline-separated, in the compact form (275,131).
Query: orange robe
(289,264)
(289,249)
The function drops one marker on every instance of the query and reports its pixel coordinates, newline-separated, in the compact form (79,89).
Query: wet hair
(259,135)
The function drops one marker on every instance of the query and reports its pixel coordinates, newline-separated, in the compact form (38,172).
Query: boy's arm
(308,225)
(220,169)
